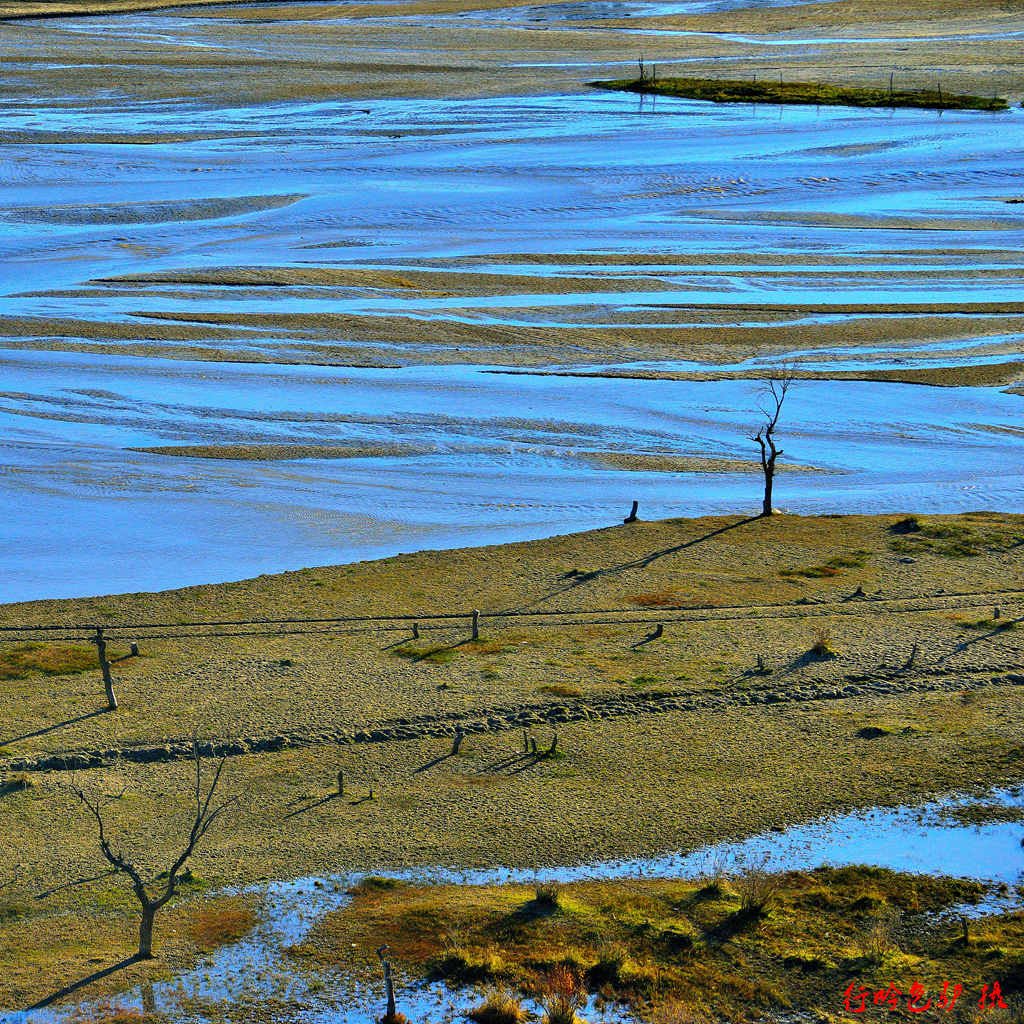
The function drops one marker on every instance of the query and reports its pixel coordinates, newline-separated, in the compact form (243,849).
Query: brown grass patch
(47,659)
(213,926)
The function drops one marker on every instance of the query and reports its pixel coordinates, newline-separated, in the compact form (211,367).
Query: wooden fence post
(108,681)
(476,624)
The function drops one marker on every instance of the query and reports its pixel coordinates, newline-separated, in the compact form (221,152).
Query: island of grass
(734,948)
(720,90)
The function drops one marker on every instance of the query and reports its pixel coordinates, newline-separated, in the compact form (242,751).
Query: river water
(885,208)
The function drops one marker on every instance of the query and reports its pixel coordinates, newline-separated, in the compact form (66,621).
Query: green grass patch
(433,655)
(917,535)
(833,567)
(717,90)
(25,660)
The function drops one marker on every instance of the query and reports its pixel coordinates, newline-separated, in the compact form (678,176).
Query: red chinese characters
(917,998)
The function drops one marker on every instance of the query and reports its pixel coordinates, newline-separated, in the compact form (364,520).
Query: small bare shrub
(562,996)
(822,646)
(879,940)
(756,887)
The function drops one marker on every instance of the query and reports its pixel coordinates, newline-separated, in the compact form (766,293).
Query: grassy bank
(717,90)
(721,762)
(732,949)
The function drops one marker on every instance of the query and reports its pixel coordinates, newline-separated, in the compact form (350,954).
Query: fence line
(201,630)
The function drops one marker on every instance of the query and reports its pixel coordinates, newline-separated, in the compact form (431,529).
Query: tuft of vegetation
(720,90)
(375,883)
(821,649)
(500,1007)
(25,660)
(545,894)
(16,782)
(562,995)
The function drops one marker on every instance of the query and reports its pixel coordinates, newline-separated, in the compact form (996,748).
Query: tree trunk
(108,682)
(769,480)
(146,933)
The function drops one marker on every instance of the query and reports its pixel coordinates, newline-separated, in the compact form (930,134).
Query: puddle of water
(911,839)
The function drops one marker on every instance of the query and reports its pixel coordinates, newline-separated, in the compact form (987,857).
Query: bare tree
(774,390)
(157,891)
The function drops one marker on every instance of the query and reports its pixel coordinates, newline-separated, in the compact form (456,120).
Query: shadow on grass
(434,651)
(1004,626)
(311,806)
(71,885)
(54,728)
(434,763)
(637,563)
(75,986)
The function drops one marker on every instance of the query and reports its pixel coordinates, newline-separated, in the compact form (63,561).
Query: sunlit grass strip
(717,90)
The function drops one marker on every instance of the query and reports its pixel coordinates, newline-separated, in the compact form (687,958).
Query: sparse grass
(117,1015)
(765,942)
(993,625)
(949,537)
(744,770)
(833,567)
(980,814)
(717,90)
(657,598)
(560,690)
(16,782)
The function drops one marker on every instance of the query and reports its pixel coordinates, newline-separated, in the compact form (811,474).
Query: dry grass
(221,923)
(248,685)
(500,1007)
(614,794)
